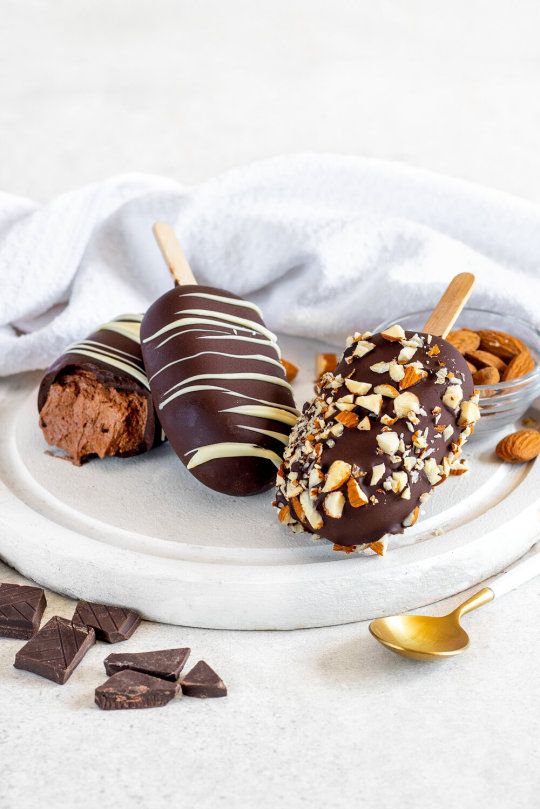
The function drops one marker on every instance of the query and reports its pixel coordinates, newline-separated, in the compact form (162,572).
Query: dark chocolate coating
(191,395)
(56,650)
(108,347)
(386,512)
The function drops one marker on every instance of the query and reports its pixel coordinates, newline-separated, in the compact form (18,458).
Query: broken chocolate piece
(133,689)
(56,650)
(203,682)
(111,624)
(21,610)
(95,399)
(165,663)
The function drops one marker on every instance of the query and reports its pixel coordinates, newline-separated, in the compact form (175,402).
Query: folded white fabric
(324,244)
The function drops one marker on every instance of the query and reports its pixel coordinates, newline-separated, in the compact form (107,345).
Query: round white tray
(143,533)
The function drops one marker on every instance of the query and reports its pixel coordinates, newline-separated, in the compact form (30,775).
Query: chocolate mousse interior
(84,417)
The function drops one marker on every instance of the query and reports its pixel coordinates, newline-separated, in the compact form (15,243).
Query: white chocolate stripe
(196,388)
(123,366)
(205,331)
(222,299)
(257,357)
(219,318)
(129,329)
(230,449)
(264,412)
(106,348)
(103,353)
(278,436)
(194,320)
(274,380)
(216,336)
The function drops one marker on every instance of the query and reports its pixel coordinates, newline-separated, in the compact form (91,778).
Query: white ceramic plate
(143,533)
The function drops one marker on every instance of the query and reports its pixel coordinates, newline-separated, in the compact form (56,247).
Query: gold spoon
(425,637)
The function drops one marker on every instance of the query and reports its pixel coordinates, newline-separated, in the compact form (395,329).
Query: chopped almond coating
(311,513)
(386,390)
(381,436)
(337,475)
(388,442)
(357,497)
(348,419)
(394,333)
(358,388)
(411,377)
(373,402)
(333,504)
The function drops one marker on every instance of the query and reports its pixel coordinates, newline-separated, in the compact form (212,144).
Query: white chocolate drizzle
(230,449)
(128,326)
(228,323)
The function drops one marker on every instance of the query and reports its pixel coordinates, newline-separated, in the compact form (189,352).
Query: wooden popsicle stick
(450,305)
(173,254)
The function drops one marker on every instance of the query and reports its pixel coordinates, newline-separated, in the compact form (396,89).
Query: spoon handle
(522,571)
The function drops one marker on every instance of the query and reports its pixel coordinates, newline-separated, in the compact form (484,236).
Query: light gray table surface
(317,717)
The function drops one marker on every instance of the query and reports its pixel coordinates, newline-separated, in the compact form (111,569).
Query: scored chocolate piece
(111,624)
(203,682)
(95,398)
(133,689)
(165,663)
(21,610)
(218,386)
(56,650)
(384,429)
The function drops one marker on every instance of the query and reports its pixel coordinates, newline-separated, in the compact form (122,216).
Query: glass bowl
(502,403)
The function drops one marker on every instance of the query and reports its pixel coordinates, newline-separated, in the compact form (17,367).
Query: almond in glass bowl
(493,343)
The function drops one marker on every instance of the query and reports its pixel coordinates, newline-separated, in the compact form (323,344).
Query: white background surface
(318,717)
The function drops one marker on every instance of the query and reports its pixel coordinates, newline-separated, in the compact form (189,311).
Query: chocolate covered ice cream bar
(383,430)
(216,379)
(218,386)
(95,398)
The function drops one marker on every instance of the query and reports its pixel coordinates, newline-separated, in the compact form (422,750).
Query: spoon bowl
(425,637)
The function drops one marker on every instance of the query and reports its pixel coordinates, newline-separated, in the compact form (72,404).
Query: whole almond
(519,447)
(500,343)
(291,370)
(486,376)
(520,365)
(484,359)
(325,363)
(464,340)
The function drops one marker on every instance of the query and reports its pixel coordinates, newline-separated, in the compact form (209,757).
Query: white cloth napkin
(324,244)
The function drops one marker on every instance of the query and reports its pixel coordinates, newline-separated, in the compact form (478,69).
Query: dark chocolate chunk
(95,398)
(203,682)
(56,650)
(218,387)
(165,663)
(133,689)
(111,624)
(21,610)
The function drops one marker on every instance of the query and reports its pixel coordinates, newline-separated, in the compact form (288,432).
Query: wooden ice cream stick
(450,305)
(173,254)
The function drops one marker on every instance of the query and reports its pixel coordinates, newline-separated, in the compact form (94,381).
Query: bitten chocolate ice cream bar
(218,386)
(95,399)
(383,430)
